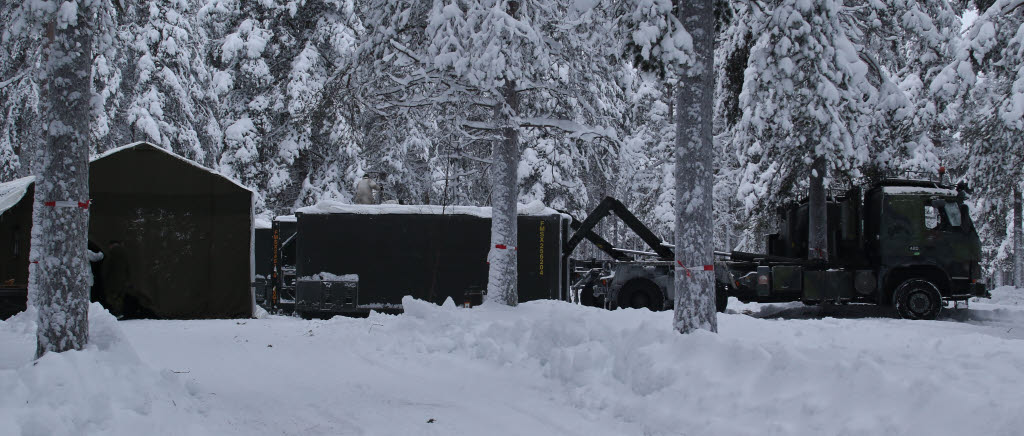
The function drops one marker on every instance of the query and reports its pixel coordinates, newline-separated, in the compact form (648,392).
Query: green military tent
(15,231)
(183,232)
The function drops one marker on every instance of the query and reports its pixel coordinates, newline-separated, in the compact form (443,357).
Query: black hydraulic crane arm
(608,206)
(597,240)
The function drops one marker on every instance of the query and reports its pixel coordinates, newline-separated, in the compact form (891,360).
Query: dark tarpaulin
(15,232)
(187,231)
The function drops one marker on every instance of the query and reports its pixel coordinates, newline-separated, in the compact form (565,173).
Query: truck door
(902,231)
(920,230)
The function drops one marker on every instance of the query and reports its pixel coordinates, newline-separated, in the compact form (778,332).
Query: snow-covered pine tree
(806,105)
(167,98)
(284,104)
(995,113)
(513,65)
(907,46)
(19,94)
(58,281)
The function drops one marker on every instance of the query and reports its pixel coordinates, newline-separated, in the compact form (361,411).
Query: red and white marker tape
(79,204)
(695,268)
(503,247)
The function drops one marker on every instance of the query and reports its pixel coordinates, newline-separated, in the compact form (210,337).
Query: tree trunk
(817,222)
(694,278)
(58,279)
(1018,240)
(502,276)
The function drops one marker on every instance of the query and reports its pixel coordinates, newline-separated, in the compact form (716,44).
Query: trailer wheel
(640,294)
(721,298)
(305,315)
(587,296)
(917,299)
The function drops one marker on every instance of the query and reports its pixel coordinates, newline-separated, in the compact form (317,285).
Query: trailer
(628,278)
(351,259)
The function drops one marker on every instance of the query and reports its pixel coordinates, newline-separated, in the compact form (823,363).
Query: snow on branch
(10,81)
(574,129)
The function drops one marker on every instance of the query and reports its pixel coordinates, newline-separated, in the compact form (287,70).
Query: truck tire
(721,298)
(917,299)
(639,294)
(587,296)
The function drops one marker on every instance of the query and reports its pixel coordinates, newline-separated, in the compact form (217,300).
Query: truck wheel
(721,298)
(587,296)
(917,299)
(641,294)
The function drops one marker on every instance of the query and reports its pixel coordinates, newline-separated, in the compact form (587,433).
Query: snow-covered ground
(543,368)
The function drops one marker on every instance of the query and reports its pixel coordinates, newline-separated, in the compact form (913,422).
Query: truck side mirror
(939,204)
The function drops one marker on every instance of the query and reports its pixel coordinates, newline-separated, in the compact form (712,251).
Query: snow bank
(104,389)
(1007,296)
(756,377)
(534,208)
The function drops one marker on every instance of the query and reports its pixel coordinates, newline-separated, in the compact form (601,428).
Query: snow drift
(544,367)
(756,377)
(103,389)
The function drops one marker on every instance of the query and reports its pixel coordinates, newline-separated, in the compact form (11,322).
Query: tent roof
(12,192)
(142,145)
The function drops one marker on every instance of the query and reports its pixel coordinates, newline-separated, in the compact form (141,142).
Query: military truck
(904,242)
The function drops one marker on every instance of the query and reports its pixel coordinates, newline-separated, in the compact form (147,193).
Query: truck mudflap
(980,290)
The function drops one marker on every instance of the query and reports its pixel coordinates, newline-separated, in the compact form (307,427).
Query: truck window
(931,217)
(953,214)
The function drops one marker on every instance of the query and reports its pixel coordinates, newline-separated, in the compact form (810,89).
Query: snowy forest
(299,99)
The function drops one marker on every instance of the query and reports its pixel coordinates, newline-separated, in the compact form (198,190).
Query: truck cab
(917,231)
(907,243)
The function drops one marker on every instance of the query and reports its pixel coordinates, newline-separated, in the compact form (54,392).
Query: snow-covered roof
(12,192)
(285,219)
(261,223)
(195,164)
(535,208)
(919,190)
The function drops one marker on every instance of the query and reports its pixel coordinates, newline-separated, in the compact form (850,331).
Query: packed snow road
(543,368)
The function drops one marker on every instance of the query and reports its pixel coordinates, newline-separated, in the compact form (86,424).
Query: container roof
(535,208)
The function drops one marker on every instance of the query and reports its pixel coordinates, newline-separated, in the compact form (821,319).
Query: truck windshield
(953,214)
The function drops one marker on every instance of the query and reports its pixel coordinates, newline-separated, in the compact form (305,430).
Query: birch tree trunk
(694,279)
(1018,241)
(817,222)
(502,275)
(58,281)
